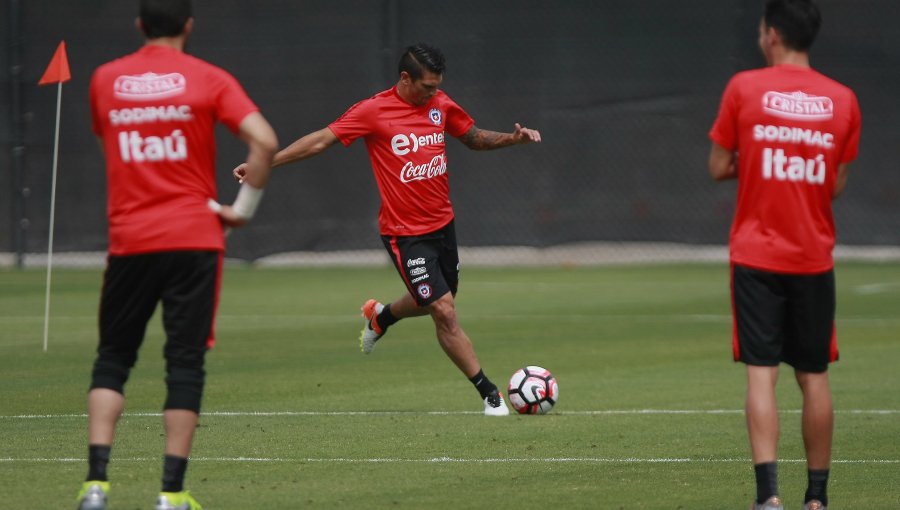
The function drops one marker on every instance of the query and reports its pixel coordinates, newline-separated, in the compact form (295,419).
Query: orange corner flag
(58,70)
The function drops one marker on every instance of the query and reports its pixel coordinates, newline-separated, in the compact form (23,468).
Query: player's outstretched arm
(306,147)
(483,140)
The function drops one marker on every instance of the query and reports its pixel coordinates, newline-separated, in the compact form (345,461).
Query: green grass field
(650,414)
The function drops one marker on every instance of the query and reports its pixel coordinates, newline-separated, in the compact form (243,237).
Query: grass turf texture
(402,428)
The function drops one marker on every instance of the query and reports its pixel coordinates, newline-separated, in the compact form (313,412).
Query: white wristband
(247,201)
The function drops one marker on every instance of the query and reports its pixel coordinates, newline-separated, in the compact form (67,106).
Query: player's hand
(525,135)
(230,218)
(240,172)
(226,214)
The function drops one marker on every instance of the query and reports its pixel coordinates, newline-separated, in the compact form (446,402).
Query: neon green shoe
(177,501)
(93,495)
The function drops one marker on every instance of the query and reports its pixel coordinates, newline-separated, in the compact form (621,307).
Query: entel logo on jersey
(149,86)
(797,105)
(400,142)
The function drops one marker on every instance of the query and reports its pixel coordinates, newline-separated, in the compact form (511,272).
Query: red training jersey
(791,127)
(407,151)
(155,111)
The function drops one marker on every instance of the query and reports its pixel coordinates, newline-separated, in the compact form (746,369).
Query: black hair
(164,18)
(420,57)
(797,21)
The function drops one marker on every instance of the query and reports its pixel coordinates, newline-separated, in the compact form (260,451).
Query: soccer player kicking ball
(788,134)
(404,128)
(154,112)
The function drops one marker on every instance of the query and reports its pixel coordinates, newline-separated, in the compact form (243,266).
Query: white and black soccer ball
(533,390)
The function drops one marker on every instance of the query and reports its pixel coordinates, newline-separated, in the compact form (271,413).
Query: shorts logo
(149,86)
(419,278)
(424,290)
(435,116)
(417,271)
(415,262)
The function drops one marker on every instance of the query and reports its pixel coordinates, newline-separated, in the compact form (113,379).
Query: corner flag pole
(57,72)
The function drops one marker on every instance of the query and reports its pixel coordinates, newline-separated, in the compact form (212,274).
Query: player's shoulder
(374,102)
(831,83)
(113,66)
(751,76)
(197,65)
(443,97)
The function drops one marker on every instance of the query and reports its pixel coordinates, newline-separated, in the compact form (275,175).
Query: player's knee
(185,387)
(111,372)
(443,312)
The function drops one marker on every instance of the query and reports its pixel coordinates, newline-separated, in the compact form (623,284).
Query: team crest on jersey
(424,290)
(149,86)
(435,115)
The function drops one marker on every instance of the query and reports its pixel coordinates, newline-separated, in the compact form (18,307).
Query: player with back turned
(787,134)
(405,129)
(154,112)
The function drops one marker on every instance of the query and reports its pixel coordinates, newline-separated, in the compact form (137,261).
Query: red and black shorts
(783,318)
(428,264)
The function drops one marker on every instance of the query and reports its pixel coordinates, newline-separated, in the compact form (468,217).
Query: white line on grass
(343,318)
(453,460)
(447,413)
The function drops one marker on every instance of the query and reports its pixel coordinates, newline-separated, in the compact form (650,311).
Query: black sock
(173,473)
(385,319)
(818,483)
(484,385)
(98,458)
(766,481)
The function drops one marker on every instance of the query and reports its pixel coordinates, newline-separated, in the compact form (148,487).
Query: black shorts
(187,284)
(783,318)
(428,264)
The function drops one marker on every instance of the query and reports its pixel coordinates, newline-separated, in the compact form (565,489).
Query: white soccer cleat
(494,405)
(370,332)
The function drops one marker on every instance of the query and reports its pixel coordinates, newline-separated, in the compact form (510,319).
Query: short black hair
(797,21)
(419,57)
(164,18)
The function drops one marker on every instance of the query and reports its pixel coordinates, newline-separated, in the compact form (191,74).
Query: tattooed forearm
(482,140)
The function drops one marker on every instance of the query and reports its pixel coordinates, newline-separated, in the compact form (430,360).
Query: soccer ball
(533,390)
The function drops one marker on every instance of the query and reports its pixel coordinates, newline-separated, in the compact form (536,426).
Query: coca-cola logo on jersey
(797,105)
(437,166)
(149,86)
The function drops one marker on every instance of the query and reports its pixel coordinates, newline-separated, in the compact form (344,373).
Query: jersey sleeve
(724,130)
(353,124)
(851,148)
(232,102)
(458,121)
